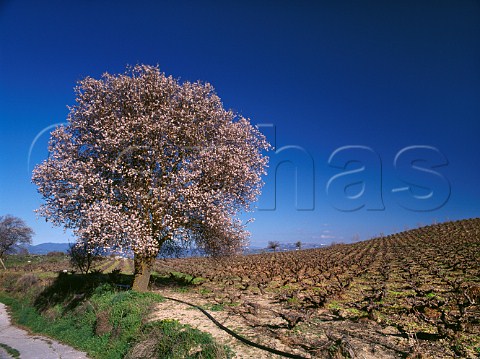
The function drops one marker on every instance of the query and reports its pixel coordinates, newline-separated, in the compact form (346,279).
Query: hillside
(44,248)
(412,292)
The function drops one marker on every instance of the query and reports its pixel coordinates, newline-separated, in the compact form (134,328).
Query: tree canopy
(144,159)
(273,245)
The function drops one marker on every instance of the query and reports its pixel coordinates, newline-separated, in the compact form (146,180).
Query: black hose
(239,337)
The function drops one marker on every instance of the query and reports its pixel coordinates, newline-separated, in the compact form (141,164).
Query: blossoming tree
(144,159)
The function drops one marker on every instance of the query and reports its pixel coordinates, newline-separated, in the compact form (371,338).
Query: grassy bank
(92,314)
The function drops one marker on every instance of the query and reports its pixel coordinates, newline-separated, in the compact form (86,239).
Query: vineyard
(412,294)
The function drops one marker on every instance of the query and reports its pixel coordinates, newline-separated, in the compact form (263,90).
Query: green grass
(205,291)
(334,305)
(11,351)
(94,316)
(171,340)
(355,312)
(217,307)
(113,265)
(124,312)
(293,301)
(177,281)
(179,276)
(22,260)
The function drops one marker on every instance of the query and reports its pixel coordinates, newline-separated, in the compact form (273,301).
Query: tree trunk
(143,268)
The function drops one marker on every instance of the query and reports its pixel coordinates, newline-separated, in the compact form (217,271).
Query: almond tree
(144,159)
(13,233)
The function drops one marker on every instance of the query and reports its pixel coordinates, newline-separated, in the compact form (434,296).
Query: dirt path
(32,346)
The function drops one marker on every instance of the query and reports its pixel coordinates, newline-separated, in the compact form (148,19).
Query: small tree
(13,233)
(298,245)
(273,245)
(82,256)
(145,159)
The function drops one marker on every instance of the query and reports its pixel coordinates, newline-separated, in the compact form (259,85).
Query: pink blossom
(145,158)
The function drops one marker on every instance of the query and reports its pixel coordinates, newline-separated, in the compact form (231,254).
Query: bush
(8,281)
(25,283)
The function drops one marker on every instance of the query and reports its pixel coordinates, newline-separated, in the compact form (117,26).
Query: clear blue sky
(383,75)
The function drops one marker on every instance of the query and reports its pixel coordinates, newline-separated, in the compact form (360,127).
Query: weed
(293,301)
(356,313)
(217,307)
(205,291)
(11,351)
(334,305)
(170,339)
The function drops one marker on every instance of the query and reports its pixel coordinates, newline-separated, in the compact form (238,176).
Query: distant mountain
(44,248)
(282,248)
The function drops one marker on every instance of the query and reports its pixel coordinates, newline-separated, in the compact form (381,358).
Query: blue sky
(343,89)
